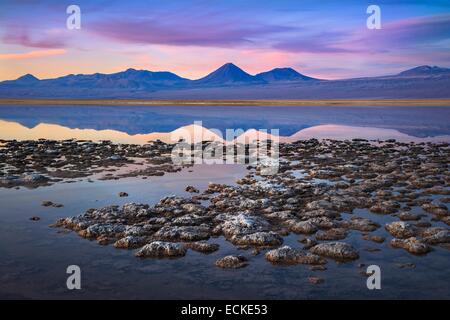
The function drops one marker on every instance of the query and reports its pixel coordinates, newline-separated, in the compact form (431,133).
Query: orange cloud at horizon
(32,54)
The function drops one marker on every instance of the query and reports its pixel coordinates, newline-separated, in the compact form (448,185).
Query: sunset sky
(325,39)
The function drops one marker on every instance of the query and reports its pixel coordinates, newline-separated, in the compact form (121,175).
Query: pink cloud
(32,54)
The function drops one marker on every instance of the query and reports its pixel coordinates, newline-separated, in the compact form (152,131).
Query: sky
(324,39)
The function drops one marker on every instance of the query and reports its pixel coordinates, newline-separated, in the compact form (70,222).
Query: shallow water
(35,256)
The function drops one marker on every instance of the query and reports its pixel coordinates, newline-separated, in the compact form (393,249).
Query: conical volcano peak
(226,74)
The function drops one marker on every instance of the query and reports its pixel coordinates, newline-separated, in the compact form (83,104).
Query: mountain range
(231,82)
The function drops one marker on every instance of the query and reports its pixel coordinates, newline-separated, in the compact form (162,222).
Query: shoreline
(293,103)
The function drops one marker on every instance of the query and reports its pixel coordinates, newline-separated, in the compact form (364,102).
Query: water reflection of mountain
(415,121)
(195,133)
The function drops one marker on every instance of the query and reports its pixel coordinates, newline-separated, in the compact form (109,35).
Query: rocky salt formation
(400,229)
(332,234)
(436,207)
(183,233)
(305,227)
(233,262)
(436,235)
(412,245)
(288,255)
(41,163)
(361,224)
(408,216)
(202,246)
(324,191)
(160,249)
(336,250)
(385,207)
(378,239)
(192,189)
(130,242)
(30,180)
(260,239)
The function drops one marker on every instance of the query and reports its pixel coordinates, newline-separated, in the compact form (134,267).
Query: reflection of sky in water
(416,121)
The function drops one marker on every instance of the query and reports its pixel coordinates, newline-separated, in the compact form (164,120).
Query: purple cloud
(23,37)
(324,42)
(414,33)
(180,32)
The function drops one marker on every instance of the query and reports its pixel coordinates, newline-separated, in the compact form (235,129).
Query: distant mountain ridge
(283,74)
(425,71)
(227,74)
(231,82)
